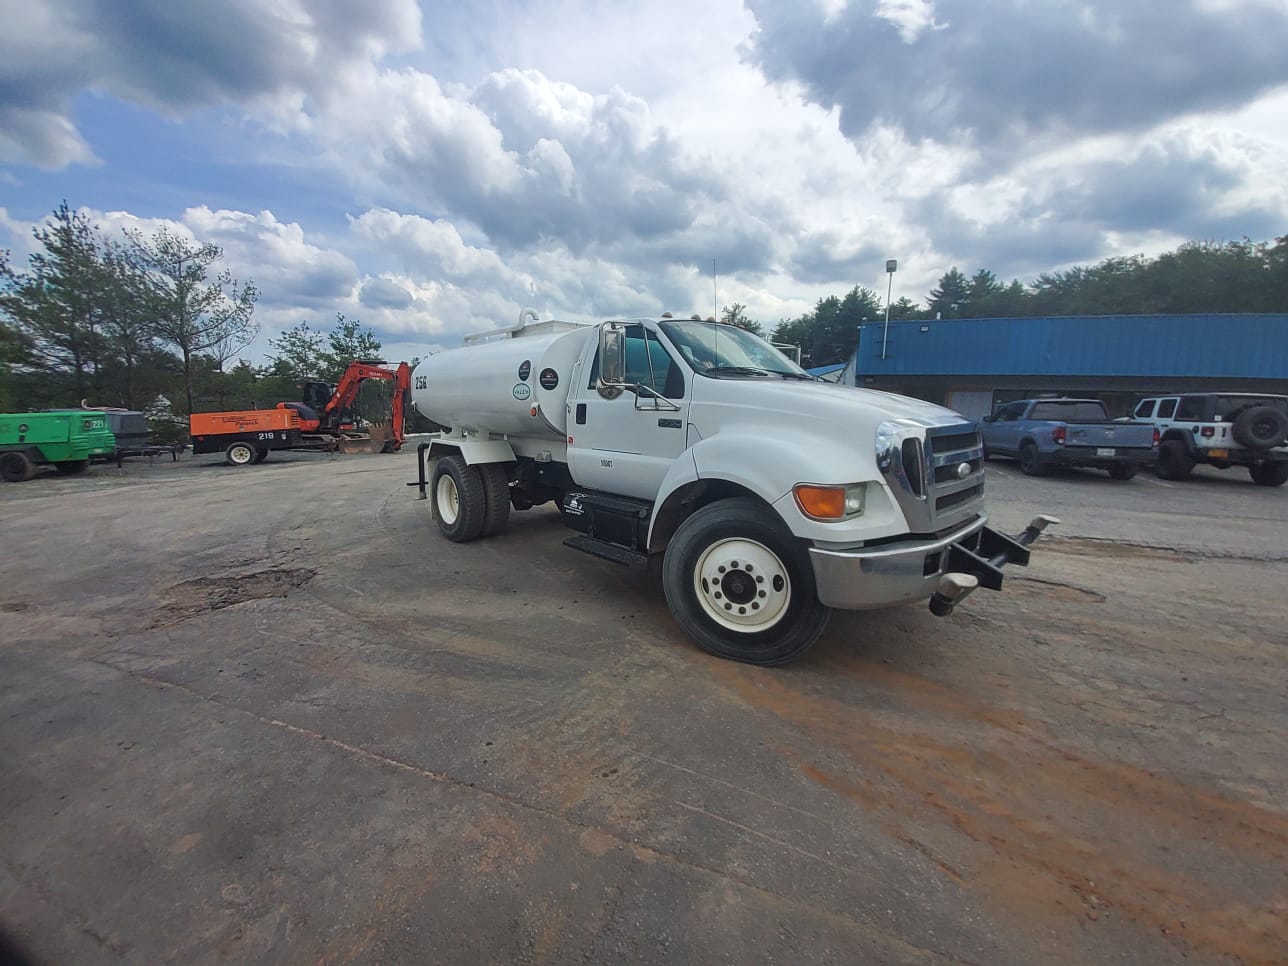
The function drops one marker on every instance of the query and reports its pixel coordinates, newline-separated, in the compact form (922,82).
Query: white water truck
(765,497)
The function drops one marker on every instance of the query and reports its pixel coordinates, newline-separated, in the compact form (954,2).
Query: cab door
(625,441)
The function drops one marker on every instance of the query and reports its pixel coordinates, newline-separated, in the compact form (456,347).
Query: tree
(193,314)
(127,323)
(736,314)
(951,296)
(297,353)
(56,302)
(905,308)
(348,341)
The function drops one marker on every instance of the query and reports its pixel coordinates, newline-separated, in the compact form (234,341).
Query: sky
(433,168)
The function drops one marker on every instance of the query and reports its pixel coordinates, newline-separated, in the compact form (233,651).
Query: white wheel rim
(742,585)
(242,454)
(448,500)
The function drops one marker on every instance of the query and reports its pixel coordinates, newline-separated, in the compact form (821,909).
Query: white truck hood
(845,407)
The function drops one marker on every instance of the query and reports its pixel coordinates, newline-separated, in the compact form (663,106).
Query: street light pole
(891,267)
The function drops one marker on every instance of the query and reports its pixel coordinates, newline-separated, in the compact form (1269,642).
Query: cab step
(608,551)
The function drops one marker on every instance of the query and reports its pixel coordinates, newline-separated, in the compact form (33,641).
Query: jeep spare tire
(1260,427)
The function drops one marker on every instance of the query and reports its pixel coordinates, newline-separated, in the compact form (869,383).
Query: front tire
(1174,461)
(239,454)
(1269,474)
(1122,471)
(741,585)
(460,502)
(1030,462)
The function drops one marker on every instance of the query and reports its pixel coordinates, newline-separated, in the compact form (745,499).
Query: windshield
(714,348)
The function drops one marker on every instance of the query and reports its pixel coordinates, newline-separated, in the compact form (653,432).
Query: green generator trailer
(64,439)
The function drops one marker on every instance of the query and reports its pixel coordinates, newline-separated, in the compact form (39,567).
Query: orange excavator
(325,420)
(327,414)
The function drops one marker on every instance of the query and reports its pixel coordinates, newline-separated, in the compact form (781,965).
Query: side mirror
(612,355)
(990,419)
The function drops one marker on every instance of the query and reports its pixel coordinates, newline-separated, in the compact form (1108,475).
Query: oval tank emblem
(521,390)
(549,379)
(963,470)
(525,369)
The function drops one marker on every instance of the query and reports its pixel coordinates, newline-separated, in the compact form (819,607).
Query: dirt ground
(270,715)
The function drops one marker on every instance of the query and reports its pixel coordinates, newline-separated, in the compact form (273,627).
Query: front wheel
(1174,460)
(741,585)
(1269,474)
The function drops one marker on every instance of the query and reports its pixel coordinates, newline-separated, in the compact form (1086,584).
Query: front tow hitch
(981,566)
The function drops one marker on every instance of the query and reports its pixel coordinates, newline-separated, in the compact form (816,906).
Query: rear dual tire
(469,501)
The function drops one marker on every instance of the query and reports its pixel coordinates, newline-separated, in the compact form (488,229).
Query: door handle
(670,423)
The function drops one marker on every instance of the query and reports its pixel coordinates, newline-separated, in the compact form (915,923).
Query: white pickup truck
(765,497)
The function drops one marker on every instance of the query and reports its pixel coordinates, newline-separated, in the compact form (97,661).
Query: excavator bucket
(378,439)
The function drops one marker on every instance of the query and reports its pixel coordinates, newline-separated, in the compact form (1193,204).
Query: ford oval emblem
(963,470)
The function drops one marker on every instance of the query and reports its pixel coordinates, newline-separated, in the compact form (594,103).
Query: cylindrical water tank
(494,387)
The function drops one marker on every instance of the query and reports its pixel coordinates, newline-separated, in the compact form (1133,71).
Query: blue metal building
(973,365)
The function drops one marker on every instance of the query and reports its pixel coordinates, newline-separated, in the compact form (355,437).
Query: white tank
(515,386)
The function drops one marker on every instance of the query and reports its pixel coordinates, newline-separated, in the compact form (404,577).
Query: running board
(607,551)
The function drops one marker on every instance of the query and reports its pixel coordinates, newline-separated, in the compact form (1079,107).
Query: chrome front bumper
(870,577)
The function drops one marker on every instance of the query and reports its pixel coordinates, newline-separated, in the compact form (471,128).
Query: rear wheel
(1174,460)
(496,492)
(1030,462)
(16,467)
(1122,471)
(72,466)
(239,454)
(460,501)
(261,455)
(1269,474)
(741,585)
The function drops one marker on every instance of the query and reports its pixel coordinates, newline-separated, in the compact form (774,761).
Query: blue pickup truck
(1045,433)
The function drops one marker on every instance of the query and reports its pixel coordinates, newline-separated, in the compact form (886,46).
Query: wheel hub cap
(742,585)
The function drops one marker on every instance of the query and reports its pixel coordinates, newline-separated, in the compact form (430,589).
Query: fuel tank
(515,386)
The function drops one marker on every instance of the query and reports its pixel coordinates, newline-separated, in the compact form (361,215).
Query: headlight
(830,503)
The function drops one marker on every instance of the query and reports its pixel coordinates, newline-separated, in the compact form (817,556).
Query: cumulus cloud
(177,56)
(999,73)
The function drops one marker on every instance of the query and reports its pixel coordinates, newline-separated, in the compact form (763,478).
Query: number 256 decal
(421,382)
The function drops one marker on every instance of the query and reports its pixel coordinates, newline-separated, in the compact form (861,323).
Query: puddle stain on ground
(205,594)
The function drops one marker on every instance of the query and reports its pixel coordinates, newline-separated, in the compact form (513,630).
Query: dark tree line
(131,320)
(1197,277)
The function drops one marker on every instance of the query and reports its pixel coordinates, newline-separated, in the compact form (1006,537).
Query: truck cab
(764,496)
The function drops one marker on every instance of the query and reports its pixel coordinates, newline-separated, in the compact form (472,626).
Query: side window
(1191,408)
(1013,412)
(1145,409)
(649,364)
(1166,408)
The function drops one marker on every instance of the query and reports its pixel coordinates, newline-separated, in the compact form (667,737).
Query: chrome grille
(938,477)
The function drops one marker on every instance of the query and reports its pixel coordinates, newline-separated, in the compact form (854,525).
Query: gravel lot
(269,715)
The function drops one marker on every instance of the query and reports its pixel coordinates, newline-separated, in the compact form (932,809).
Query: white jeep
(1222,429)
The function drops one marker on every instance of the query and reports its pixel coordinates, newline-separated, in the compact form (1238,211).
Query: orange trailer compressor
(244,437)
